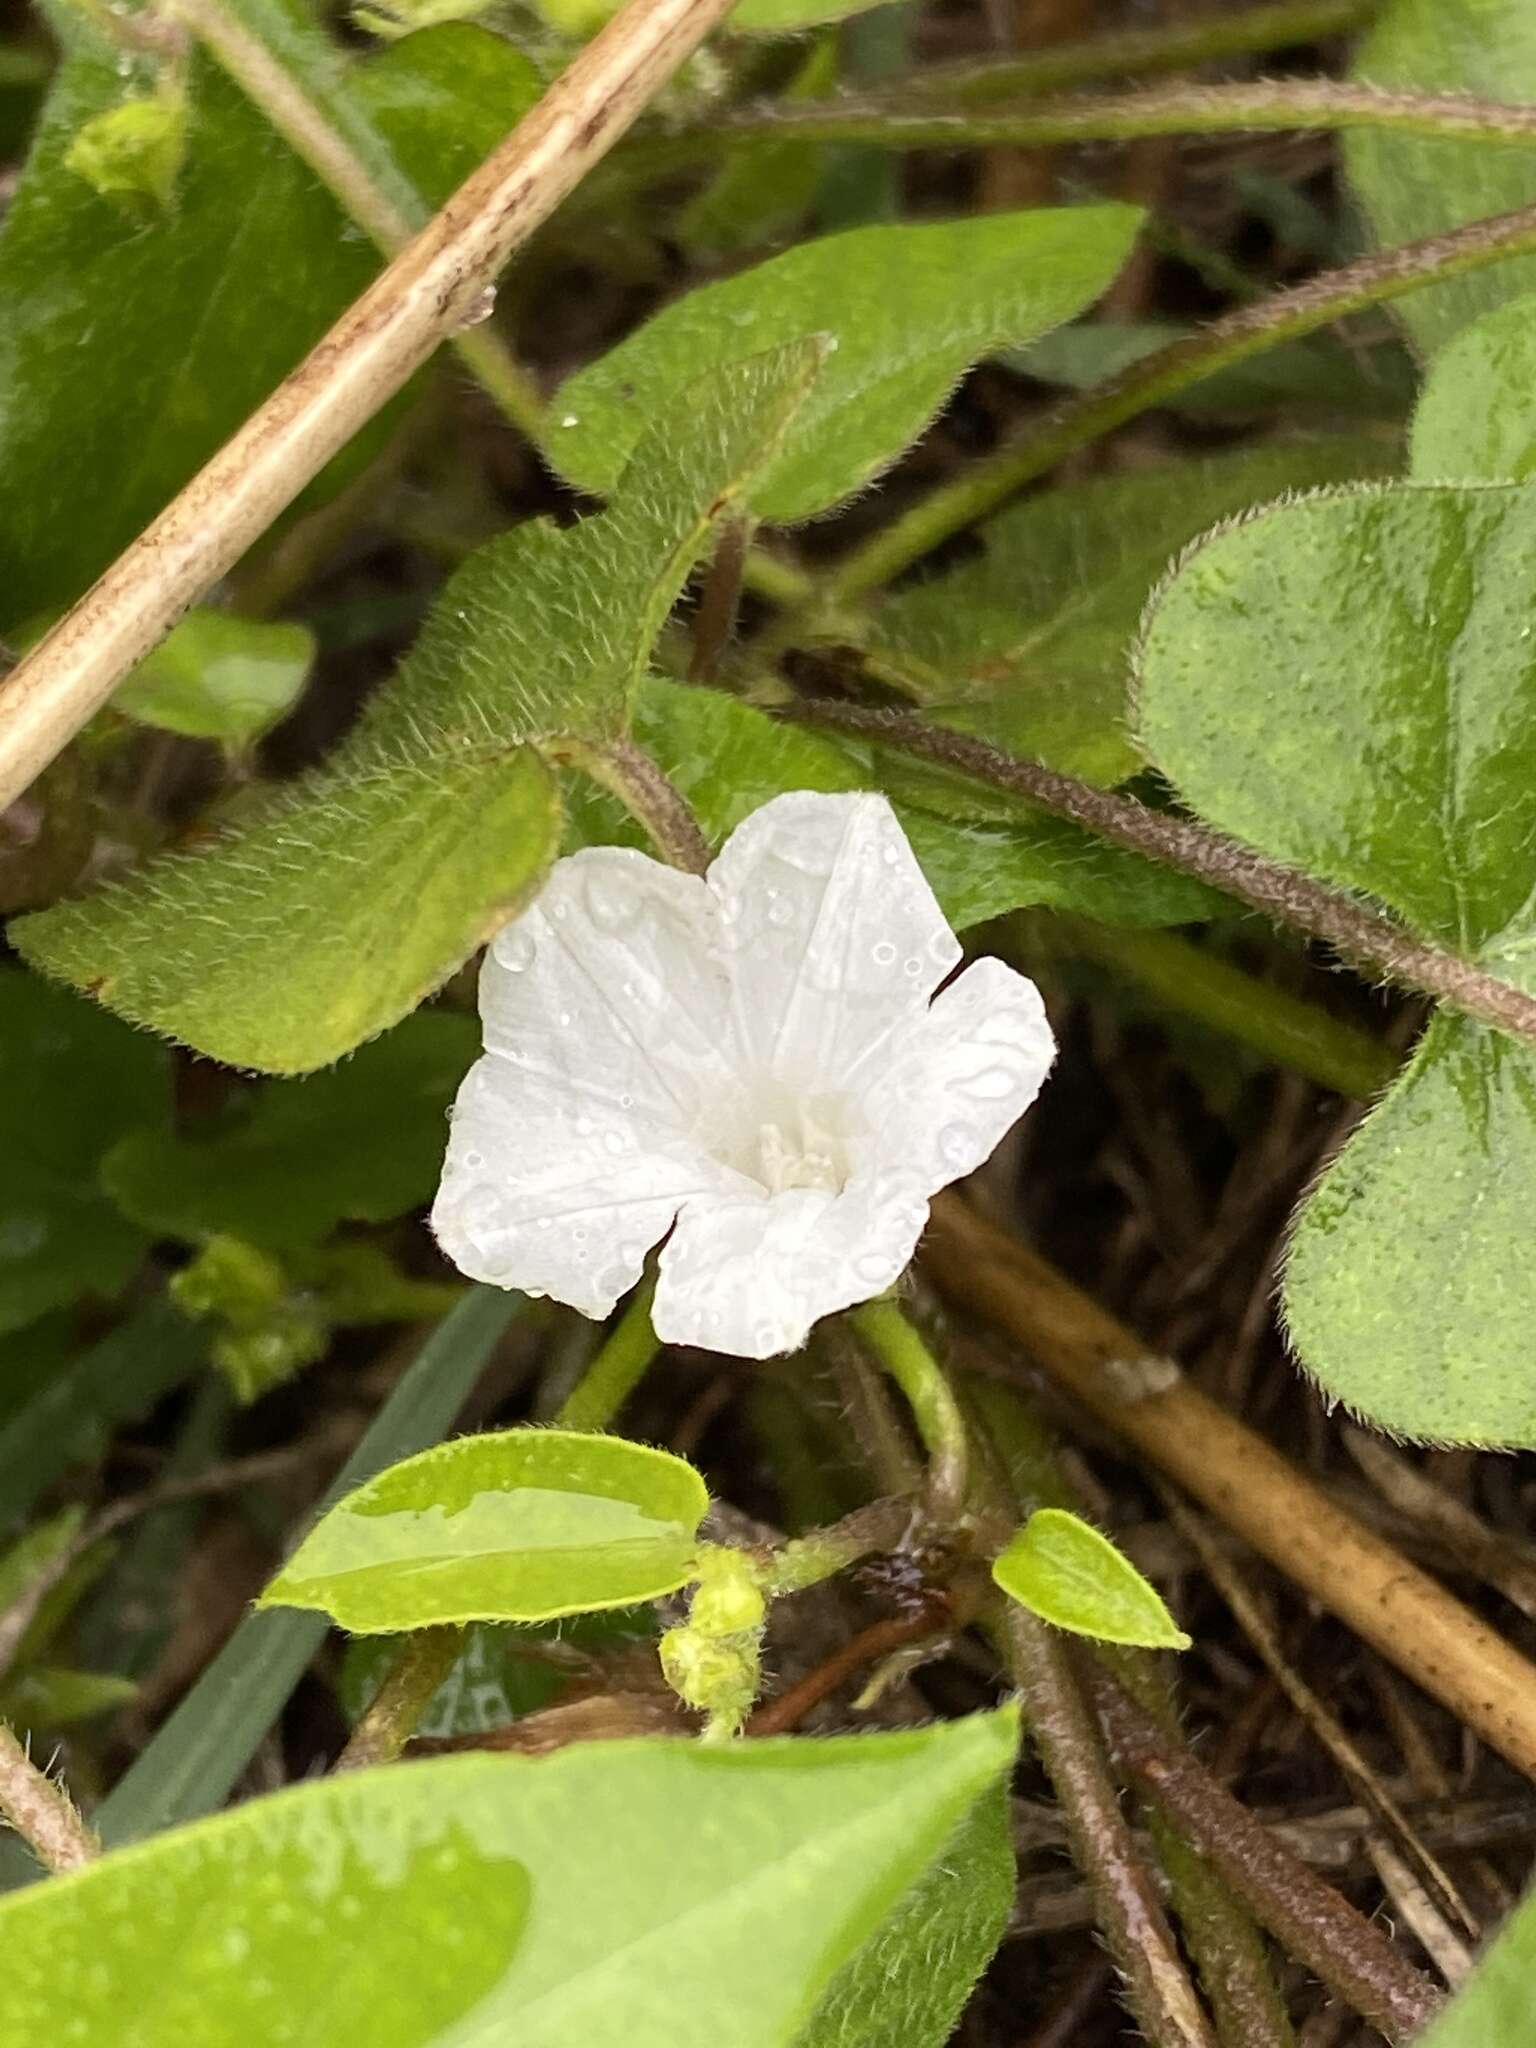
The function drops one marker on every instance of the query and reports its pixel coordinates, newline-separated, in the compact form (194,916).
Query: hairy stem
(1351,1956)
(1236,336)
(407,1691)
(715,619)
(940,1423)
(1314,103)
(879,1528)
(1156,1986)
(1369,938)
(647,792)
(617,1369)
(40,1811)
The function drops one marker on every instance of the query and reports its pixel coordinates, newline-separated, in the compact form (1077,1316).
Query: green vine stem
(616,1370)
(1367,937)
(40,1811)
(1234,338)
(936,1412)
(1285,1029)
(404,1696)
(1279,104)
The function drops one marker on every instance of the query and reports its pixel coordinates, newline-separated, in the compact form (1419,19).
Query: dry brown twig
(435,287)
(1245,1483)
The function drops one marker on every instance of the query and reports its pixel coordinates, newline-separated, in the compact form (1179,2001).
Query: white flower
(752,1057)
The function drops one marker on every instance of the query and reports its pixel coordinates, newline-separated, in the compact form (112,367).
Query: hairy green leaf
(654,1895)
(1477,415)
(1061,1568)
(1028,643)
(217,677)
(1390,624)
(291,1160)
(519,1525)
(1416,185)
(907,309)
(72,1082)
(336,904)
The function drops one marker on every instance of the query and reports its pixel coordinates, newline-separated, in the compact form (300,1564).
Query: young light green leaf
(338,903)
(133,152)
(521,1525)
(360,1143)
(1493,2008)
(1393,622)
(911,1979)
(1061,1568)
(1477,415)
(907,308)
(729,758)
(1028,642)
(218,677)
(1412,185)
(72,1082)
(617,1894)
(136,344)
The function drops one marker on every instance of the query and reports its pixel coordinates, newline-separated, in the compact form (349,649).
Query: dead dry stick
(1249,1487)
(435,287)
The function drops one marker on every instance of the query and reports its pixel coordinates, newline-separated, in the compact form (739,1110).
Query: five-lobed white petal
(756,1057)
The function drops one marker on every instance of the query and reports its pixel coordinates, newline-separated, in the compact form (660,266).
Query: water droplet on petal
(631,1253)
(912,967)
(767,1337)
(781,912)
(990,1085)
(613,1143)
(582,1127)
(955,1144)
(874,1268)
(610,901)
(883,953)
(515,949)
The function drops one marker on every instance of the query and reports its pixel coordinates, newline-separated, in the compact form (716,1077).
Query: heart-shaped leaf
(1394,622)
(483,1900)
(908,308)
(1061,1568)
(1477,414)
(517,1526)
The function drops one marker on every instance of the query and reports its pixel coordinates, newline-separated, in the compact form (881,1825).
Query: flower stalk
(618,1367)
(940,1424)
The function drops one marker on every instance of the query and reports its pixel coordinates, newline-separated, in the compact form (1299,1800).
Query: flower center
(785,1144)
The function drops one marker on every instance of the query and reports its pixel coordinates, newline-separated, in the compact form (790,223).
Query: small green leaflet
(1061,1568)
(218,677)
(338,902)
(1414,185)
(291,1160)
(72,1083)
(521,1525)
(625,1894)
(1392,623)
(907,309)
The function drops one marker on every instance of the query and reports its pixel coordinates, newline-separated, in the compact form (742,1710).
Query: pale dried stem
(1248,1486)
(432,289)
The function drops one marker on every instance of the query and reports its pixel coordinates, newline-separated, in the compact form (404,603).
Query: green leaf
(1412,185)
(51,1696)
(136,345)
(217,677)
(649,1894)
(1028,642)
(1393,625)
(1408,1291)
(1493,2008)
(761,196)
(729,758)
(909,308)
(197,1755)
(1064,1570)
(336,905)
(72,1082)
(522,1525)
(1477,416)
(59,1403)
(911,1979)
(360,1143)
